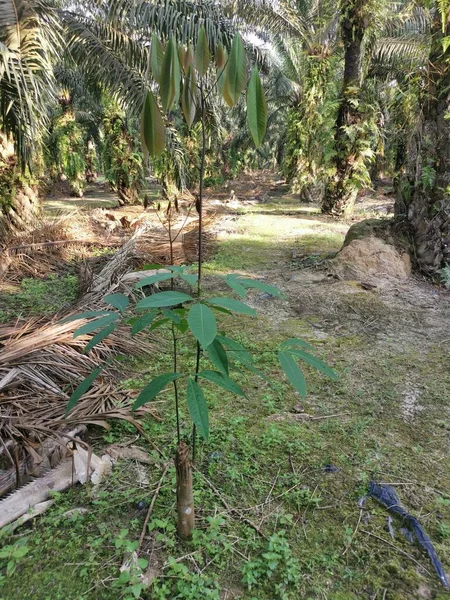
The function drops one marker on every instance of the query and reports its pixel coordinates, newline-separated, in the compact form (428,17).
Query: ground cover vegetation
(269,430)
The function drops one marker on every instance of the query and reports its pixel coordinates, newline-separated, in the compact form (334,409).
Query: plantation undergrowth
(277,486)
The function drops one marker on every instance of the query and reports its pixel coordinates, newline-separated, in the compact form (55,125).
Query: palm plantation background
(358,100)
(355,90)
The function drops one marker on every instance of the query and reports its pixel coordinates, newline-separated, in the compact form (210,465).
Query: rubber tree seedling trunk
(183,463)
(185,492)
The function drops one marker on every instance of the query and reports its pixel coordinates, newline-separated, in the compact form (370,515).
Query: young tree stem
(185,494)
(200,240)
(174,337)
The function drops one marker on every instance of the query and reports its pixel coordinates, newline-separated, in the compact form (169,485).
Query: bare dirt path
(290,245)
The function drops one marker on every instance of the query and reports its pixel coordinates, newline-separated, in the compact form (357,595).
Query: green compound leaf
(202,54)
(153,279)
(153,131)
(188,97)
(96,324)
(119,301)
(83,387)
(99,337)
(235,72)
(86,315)
(156,58)
(218,356)
(153,388)
(220,56)
(256,108)
(188,58)
(169,86)
(143,322)
(190,279)
(259,285)
(182,326)
(287,344)
(158,324)
(163,299)
(239,352)
(233,283)
(315,362)
(231,304)
(222,381)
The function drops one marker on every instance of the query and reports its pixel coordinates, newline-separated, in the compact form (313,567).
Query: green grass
(37,297)
(261,452)
(260,242)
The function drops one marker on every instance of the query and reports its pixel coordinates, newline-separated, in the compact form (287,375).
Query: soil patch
(371,257)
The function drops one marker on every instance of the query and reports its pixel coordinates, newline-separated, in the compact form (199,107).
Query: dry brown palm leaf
(51,242)
(40,366)
(185,242)
(41,363)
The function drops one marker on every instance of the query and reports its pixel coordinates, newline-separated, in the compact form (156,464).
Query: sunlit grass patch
(53,207)
(261,241)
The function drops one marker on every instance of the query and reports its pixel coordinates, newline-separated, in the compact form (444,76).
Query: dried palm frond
(185,241)
(41,365)
(49,245)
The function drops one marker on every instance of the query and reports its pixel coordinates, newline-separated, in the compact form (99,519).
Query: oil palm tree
(304,36)
(110,41)
(30,41)
(327,46)
(361,22)
(74,137)
(424,193)
(412,55)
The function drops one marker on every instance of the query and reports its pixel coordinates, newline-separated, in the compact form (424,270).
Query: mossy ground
(297,472)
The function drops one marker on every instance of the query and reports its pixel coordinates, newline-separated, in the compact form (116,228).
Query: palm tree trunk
(22,209)
(303,162)
(19,203)
(423,197)
(122,162)
(126,193)
(341,192)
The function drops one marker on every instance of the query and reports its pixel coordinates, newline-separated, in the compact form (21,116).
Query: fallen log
(16,505)
(51,452)
(82,466)
(37,511)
